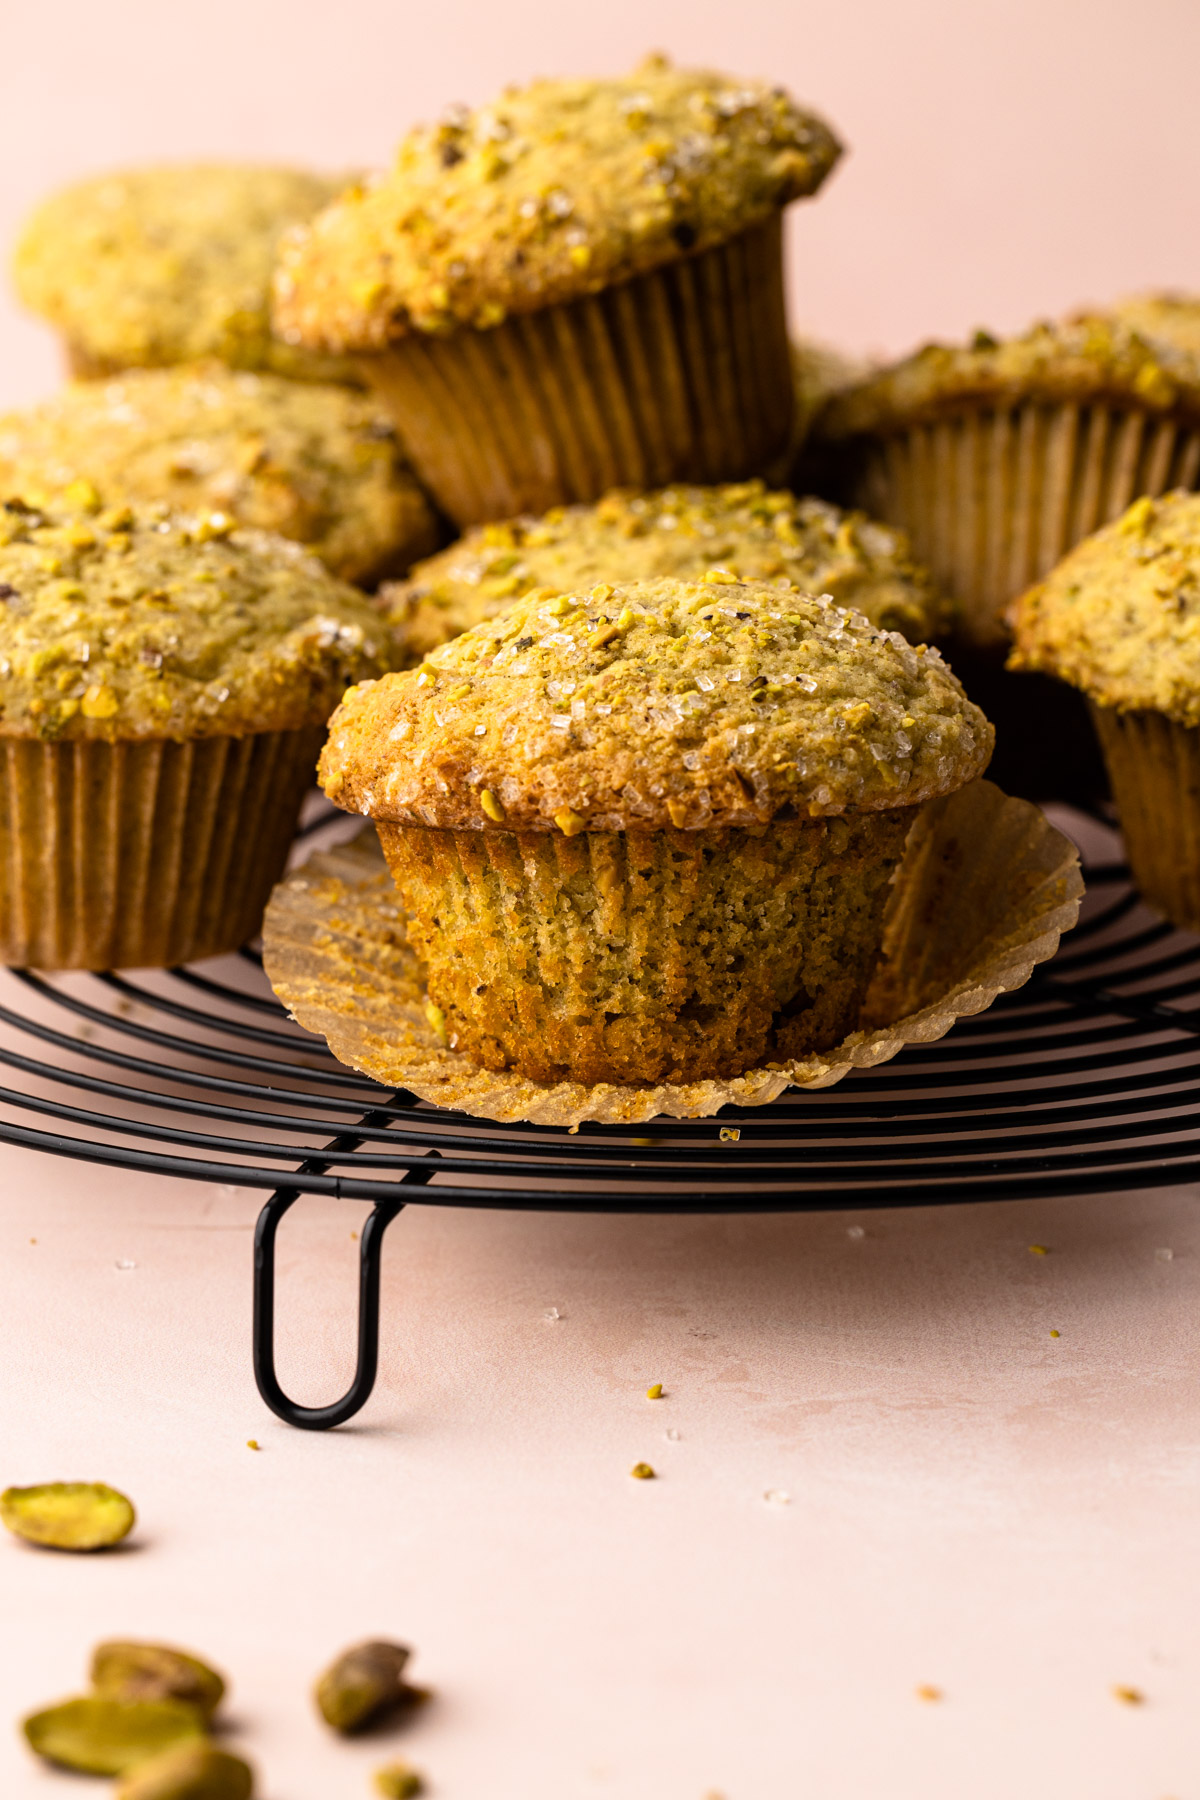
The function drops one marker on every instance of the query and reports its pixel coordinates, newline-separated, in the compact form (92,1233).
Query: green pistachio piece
(190,1772)
(68,1515)
(108,1737)
(123,1670)
(398,1781)
(361,1684)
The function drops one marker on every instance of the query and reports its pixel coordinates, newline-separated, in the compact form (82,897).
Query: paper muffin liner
(647,954)
(985,890)
(994,498)
(1154,767)
(144,854)
(681,374)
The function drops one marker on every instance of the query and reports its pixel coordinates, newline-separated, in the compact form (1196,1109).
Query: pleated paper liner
(1154,766)
(144,854)
(681,374)
(985,890)
(994,498)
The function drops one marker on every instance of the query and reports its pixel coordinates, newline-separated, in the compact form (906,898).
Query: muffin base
(994,498)
(1154,767)
(681,374)
(647,955)
(986,887)
(144,854)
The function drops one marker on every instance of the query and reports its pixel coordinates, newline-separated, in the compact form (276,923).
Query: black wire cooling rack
(1085,1081)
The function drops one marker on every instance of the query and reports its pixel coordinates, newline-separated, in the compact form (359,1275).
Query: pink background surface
(972,1503)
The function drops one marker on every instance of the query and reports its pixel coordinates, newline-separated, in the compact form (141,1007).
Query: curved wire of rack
(1085,1081)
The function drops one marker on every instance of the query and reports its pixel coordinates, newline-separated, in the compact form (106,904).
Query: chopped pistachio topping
(752,532)
(551,192)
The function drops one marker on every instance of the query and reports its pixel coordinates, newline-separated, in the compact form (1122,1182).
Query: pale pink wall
(1007,157)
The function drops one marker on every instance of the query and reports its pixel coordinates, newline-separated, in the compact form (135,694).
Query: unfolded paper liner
(986,888)
(144,854)
(1154,766)
(993,497)
(680,374)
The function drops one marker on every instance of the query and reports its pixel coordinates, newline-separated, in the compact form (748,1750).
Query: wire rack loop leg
(370,1255)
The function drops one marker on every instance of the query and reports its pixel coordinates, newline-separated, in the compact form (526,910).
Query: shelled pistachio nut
(191,1772)
(398,1781)
(110,1737)
(68,1515)
(126,1670)
(362,1684)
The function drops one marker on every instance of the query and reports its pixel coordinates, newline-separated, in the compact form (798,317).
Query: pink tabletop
(878,1470)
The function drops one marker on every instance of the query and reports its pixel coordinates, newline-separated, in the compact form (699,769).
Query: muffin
(647,832)
(311,461)
(997,457)
(169,264)
(1119,618)
(163,690)
(752,533)
(576,287)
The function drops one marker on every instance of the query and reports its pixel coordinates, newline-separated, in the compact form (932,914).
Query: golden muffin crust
(1088,358)
(1170,319)
(311,461)
(743,528)
(136,623)
(1120,616)
(688,704)
(554,191)
(170,263)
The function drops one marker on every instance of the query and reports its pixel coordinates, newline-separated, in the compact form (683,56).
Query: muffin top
(1120,616)
(135,624)
(169,264)
(744,530)
(554,191)
(312,461)
(1091,357)
(1172,319)
(684,703)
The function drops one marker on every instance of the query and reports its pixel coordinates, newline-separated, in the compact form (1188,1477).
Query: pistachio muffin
(748,531)
(170,263)
(311,461)
(998,456)
(646,832)
(578,286)
(1119,619)
(164,686)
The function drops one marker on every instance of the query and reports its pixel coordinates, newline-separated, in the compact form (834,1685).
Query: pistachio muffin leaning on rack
(647,832)
(750,531)
(311,460)
(164,685)
(170,263)
(1120,619)
(997,457)
(577,286)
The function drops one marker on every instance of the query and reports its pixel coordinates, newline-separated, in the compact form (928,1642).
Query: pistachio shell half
(363,1683)
(192,1772)
(68,1515)
(125,1670)
(108,1737)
